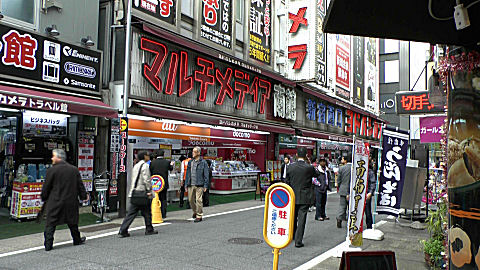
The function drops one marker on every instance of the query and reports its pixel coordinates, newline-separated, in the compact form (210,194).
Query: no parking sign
(158,183)
(279,216)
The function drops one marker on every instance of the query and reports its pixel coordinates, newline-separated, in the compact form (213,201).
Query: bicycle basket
(101,184)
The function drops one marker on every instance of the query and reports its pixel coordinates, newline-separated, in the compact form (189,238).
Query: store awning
(404,20)
(326,136)
(35,100)
(220,120)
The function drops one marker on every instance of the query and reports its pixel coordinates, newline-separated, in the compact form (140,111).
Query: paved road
(186,245)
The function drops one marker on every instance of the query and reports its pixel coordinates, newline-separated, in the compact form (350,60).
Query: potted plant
(434,247)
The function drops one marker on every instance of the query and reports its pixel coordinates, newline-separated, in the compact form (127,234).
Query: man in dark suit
(286,163)
(322,185)
(161,166)
(299,177)
(61,190)
(344,175)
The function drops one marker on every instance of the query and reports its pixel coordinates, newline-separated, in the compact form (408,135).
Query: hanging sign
(392,176)
(320,45)
(358,188)
(260,28)
(216,22)
(371,74)
(122,166)
(164,10)
(343,66)
(416,102)
(431,129)
(279,216)
(358,50)
(284,103)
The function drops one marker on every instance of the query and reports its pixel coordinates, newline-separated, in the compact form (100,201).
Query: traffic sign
(279,216)
(158,183)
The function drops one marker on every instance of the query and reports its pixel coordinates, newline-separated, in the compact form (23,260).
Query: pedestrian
(322,185)
(161,166)
(206,194)
(286,163)
(140,184)
(372,185)
(344,175)
(197,183)
(314,162)
(60,192)
(183,173)
(299,177)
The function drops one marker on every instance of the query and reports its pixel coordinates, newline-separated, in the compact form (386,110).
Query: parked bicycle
(101,187)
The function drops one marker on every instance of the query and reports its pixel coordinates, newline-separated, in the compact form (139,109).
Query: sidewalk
(36,240)
(399,238)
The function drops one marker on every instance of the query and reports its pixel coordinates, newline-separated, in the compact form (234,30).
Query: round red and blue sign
(158,183)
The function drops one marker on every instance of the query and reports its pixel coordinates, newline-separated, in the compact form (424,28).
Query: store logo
(169,127)
(80,70)
(51,51)
(239,134)
(51,72)
(67,51)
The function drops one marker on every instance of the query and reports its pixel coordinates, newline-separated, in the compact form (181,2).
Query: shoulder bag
(139,197)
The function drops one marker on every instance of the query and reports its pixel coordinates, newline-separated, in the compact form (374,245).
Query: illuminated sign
(362,125)
(413,102)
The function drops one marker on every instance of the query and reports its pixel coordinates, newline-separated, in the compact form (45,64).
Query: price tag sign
(279,216)
(158,183)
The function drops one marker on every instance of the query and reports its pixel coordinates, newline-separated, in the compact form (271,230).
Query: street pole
(276,253)
(126,87)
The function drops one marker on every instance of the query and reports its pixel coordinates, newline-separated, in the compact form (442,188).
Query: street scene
(239,134)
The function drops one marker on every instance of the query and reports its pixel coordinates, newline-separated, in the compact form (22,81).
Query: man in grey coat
(197,181)
(344,176)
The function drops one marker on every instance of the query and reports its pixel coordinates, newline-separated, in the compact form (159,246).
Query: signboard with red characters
(216,22)
(29,56)
(416,102)
(279,215)
(362,125)
(182,77)
(343,66)
(164,10)
(26,200)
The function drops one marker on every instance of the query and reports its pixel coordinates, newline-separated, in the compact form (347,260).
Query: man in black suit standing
(286,163)
(161,166)
(299,177)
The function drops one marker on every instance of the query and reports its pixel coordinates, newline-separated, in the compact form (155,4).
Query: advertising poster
(358,192)
(463,159)
(40,124)
(26,200)
(431,129)
(320,45)
(114,149)
(216,22)
(358,93)
(86,150)
(371,74)
(392,172)
(260,28)
(331,63)
(342,69)
(164,10)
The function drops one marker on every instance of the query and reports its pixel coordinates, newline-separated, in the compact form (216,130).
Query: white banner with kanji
(358,188)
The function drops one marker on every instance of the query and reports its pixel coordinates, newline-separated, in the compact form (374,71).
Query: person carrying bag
(140,195)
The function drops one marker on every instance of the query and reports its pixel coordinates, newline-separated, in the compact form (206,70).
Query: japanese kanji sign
(260,27)
(86,152)
(358,188)
(279,215)
(164,10)
(416,102)
(431,129)
(29,56)
(392,172)
(284,103)
(320,45)
(216,22)
(324,113)
(343,66)
(371,74)
(358,55)
(40,124)
(122,164)
(362,125)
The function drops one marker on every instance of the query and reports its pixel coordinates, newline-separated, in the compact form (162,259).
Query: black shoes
(123,235)
(151,232)
(339,223)
(197,220)
(48,248)
(299,245)
(82,241)
(194,216)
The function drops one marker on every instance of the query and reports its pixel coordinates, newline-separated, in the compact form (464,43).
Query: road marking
(16,252)
(231,212)
(327,254)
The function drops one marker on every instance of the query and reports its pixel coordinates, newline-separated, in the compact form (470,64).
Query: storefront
(49,98)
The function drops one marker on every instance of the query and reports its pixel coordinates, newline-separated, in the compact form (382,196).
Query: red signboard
(343,67)
(413,102)
(362,125)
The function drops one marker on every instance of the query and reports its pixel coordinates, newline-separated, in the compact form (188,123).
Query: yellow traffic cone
(156,212)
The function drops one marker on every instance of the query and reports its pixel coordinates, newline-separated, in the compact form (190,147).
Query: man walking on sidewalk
(299,177)
(140,181)
(322,185)
(197,181)
(60,192)
(344,175)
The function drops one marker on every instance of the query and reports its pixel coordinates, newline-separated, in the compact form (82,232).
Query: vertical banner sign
(371,74)
(122,166)
(358,92)
(431,129)
(331,62)
(358,188)
(260,28)
(342,53)
(216,22)
(393,165)
(114,150)
(86,150)
(321,58)
(164,10)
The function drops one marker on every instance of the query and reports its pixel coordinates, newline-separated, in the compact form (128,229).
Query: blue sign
(280,198)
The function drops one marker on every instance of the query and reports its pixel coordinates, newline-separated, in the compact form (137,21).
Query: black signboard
(29,56)
(216,22)
(372,260)
(359,71)
(320,46)
(260,28)
(419,102)
(164,10)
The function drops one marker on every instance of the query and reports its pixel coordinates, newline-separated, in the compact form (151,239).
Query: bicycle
(101,187)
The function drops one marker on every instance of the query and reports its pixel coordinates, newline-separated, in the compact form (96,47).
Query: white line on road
(231,212)
(329,253)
